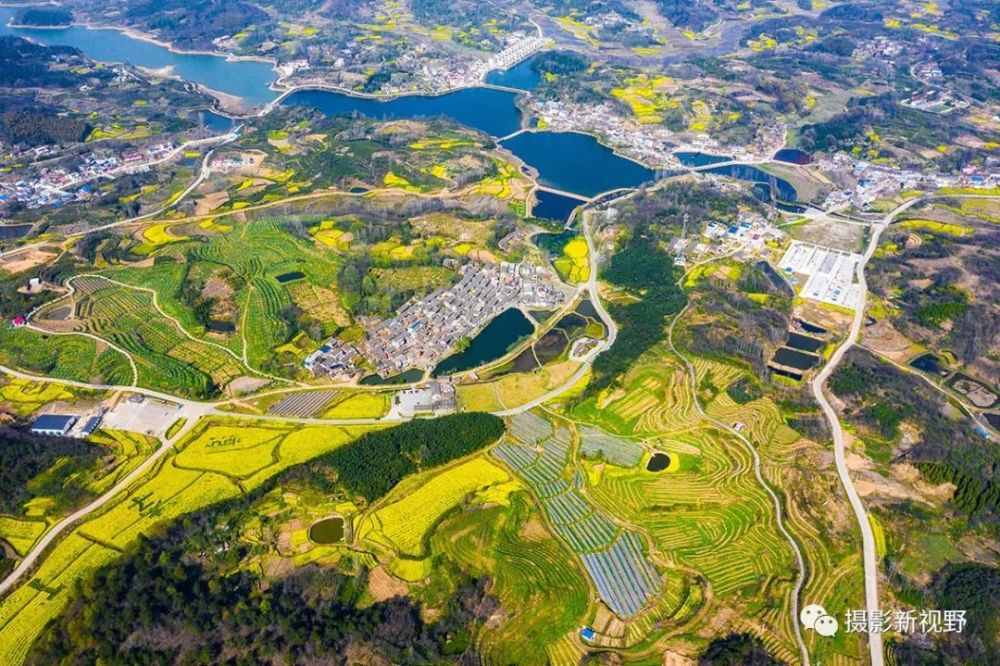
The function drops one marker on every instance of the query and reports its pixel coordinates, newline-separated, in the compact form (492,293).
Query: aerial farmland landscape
(523,332)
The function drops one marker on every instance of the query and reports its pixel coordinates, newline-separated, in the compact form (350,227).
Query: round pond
(658,462)
(328,530)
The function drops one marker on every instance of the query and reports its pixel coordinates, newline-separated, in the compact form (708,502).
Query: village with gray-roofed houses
(427,330)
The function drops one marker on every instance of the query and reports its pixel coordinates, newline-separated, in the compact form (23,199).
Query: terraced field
(404,522)
(532,573)
(540,454)
(256,254)
(63,357)
(707,513)
(615,450)
(166,358)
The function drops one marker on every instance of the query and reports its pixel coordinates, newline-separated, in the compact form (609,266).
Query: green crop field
(535,577)
(403,524)
(164,356)
(707,513)
(63,357)
(255,254)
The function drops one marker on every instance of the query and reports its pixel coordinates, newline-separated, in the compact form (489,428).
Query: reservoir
(793,156)
(9,231)
(552,206)
(929,363)
(247,79)
(577,163)
(409,377)
(780,188)
(593,169)
(521,76)
(492,111)
(505,331)
(553,243)
(212,121)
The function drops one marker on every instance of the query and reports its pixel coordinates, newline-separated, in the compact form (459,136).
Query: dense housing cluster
(426,330)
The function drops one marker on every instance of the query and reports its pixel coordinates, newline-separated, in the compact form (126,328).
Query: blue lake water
(492,111)
(246,79)
(591,169)
(577,163)
(9,231)
(693,159)
(793,156)
(566,161)
(795,359)
(552,206)
(521,76)
(212,121)
(779,188)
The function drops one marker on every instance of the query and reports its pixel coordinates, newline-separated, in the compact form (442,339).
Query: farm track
(779,520)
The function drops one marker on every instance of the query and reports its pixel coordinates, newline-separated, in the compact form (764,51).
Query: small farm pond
(795,359)
(804,342)
(291,277)
(658,462)
(328,530)
(929,363)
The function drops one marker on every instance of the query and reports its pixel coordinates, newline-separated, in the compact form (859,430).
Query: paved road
(193,411)
(867,536)
(609,323)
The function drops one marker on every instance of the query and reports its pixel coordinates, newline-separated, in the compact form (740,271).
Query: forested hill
(24,456)
(186,596)
(25,64)
(177,600)
(26,67)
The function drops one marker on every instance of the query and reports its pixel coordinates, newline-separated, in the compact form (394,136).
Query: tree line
(374,463)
